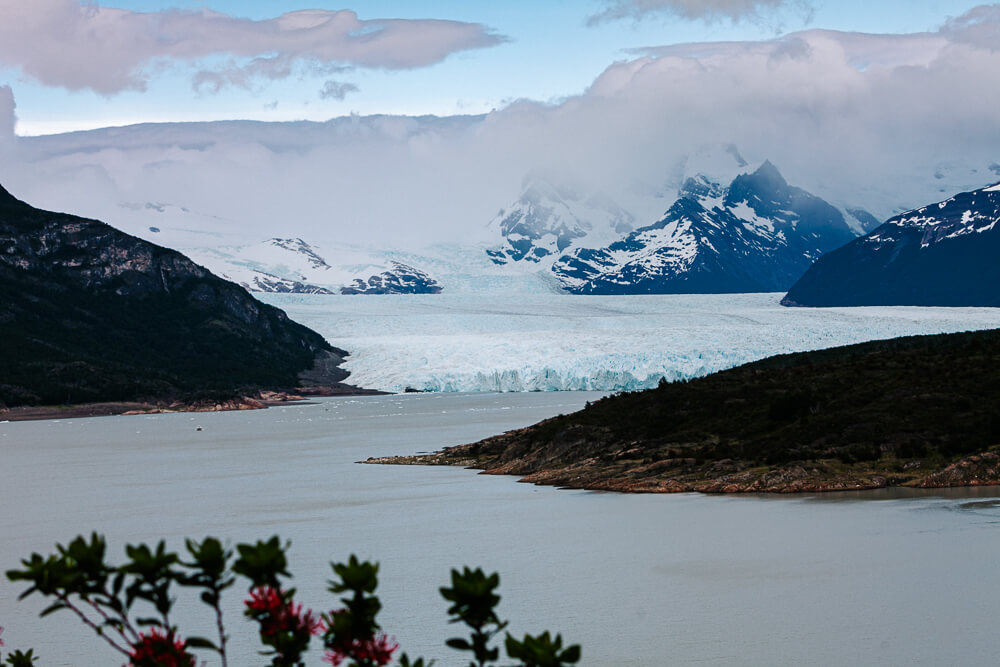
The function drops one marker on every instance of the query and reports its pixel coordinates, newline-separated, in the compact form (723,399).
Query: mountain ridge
(942,254)
(759,234)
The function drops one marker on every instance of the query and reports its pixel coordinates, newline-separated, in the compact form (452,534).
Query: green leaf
(262,563)
(19,659)
(55,606)
(459,644)
(200,642)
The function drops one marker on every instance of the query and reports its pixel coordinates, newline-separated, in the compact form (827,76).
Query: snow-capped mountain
(945,254)
(548,219)
(757,235)
(288,265)
(292,265)
(400,279)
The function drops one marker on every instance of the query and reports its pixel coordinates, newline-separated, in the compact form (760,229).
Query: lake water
(865,579)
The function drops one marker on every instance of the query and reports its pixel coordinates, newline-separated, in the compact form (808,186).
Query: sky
(80,65)
(877,104)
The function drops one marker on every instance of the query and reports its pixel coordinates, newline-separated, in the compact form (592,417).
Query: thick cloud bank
(882,122)
(63,43)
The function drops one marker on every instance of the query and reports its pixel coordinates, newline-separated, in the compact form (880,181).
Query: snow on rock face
(400,279)
(524,342)
(759,234)
(943,254)
(275,265)
(291,265)
(300,247)
(264,282)
(860,220)
(548,219)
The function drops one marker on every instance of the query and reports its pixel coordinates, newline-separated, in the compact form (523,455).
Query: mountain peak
(757,235)
(769,174)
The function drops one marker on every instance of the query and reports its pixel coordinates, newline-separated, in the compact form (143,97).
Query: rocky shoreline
(723,477)
(262,401)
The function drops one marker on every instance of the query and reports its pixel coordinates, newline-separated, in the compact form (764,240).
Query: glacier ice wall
(547,342)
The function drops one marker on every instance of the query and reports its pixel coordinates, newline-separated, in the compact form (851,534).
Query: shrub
(104,597)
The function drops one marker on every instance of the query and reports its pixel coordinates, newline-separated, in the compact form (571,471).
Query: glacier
(500,341)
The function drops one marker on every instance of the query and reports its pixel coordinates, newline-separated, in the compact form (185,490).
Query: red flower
(265,600)
(334,657)
(1,632)
(377,650)
(278,613)
(159,649)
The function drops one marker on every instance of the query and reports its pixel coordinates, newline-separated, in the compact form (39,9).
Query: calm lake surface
(864,579)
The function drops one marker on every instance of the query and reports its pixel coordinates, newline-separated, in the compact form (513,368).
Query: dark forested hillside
(918,410)
(89,313)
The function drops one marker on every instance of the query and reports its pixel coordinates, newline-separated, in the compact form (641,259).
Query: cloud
(336,90)
(979,26)
(705,10)
(861,120)
(63,43)
(268,68)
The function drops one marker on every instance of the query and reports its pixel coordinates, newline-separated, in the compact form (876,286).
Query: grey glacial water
(897,578)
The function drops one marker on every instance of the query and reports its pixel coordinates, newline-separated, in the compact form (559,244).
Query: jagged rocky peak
(767,179)
(550,216)
(757,234)
(399,279)
(944,254)
(769,195)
